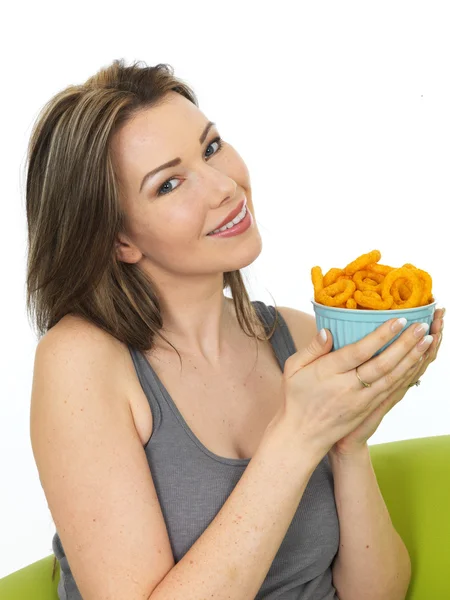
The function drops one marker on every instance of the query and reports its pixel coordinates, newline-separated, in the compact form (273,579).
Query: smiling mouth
(237,219)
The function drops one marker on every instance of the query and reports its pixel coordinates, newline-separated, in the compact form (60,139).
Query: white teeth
(235,221)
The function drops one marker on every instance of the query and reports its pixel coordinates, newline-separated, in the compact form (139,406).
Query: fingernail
(420,329)
(323,337)
(398,324)
(425,342)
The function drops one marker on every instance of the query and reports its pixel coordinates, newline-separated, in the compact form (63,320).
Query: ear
(126,251)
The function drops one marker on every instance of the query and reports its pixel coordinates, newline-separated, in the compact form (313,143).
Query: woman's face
(167,221)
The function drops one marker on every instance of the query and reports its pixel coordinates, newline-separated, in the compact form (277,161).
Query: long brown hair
(74,212)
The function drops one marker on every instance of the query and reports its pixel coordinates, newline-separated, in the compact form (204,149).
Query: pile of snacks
(365,284)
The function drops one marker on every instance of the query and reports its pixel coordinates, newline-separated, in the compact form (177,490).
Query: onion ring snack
(366,284)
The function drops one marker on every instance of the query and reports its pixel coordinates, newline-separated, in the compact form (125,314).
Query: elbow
(390,585)
(402,577)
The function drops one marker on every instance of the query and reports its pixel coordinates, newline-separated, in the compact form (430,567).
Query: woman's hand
(326,407)
(418,357)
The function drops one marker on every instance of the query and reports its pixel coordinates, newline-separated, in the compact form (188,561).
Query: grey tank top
(193,483)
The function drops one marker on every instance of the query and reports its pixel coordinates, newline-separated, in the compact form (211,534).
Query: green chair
(33,582)
(414,478)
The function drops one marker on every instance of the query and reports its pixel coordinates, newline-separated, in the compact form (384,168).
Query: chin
(243,255)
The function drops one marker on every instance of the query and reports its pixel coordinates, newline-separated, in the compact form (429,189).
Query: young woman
(188,443)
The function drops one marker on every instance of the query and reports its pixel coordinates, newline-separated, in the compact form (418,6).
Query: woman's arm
(373,562)
(231,559)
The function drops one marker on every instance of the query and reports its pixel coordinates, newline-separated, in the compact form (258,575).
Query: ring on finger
(365,384)
(414,383)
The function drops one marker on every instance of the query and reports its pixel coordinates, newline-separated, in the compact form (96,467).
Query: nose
(225,187)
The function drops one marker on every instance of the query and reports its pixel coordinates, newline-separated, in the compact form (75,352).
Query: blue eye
(217,140)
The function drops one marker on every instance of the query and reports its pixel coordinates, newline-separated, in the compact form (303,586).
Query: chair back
(414,479)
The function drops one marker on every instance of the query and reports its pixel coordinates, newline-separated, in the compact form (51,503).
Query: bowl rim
(371,310)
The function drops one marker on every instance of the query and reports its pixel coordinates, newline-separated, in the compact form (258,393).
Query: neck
(201,328)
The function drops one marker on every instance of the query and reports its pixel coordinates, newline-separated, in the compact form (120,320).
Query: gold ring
(365,384)
(415,383)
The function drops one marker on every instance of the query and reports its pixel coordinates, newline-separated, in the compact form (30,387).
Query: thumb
(321,344)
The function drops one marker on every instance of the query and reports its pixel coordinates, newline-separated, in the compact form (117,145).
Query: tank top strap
(281,340)
(150,384)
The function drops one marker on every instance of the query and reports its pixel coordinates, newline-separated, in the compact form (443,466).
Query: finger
(321,343)
(354,355)
(383,365)
(434,348)
(438,320)
(416,371)
(411,376)
(402,370)
(351,356)
(441,335)
(436,325)
(439,313)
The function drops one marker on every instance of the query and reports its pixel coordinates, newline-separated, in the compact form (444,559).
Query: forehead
(156,135)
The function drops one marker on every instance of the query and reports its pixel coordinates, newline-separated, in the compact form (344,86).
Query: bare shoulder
(77,331)
(301,325)
(75,339)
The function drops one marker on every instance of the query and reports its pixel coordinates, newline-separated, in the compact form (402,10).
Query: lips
(230,217)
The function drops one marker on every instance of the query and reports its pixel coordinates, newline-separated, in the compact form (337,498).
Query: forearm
(372,562)
(230,560)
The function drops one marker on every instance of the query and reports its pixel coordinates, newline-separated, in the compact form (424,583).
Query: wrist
(359,453)
(288,439)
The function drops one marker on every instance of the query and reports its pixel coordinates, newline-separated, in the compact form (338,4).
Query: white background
(341,111)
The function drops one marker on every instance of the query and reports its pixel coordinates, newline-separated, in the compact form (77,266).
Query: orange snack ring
(427,285)
(427,282)
(361,280)
(404,290)
(372,300)
(351,303)
(400,290)
(381,269)
(331,276)
(396,296)
(409,274)
(317,280)
(362,262)
(336,294)
(405,304)
(369,281)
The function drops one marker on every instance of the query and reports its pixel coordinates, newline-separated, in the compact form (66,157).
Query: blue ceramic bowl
(351,325)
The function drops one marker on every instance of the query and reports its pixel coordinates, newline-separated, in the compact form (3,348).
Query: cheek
(183,218)
(170,229)
(239,170)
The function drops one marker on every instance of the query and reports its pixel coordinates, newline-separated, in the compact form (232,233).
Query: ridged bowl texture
(351,325)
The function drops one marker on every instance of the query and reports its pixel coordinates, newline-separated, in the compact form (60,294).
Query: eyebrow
(175,161)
